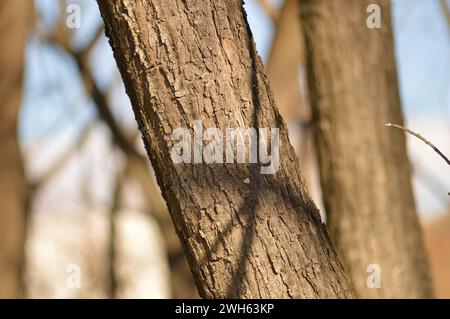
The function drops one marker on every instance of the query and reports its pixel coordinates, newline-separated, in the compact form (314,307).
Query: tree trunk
(13,187)
(365,173)
(245,234)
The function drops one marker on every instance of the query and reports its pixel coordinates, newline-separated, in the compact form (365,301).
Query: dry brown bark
(365,172)
(187,60)
(13,186)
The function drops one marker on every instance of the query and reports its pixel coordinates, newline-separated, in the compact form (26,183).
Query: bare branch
(421,138)
(98,33)
(116,205)
(103,107)
(270,10)
(99,98)
(67,155)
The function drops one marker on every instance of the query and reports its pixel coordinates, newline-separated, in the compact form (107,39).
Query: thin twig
(421,138)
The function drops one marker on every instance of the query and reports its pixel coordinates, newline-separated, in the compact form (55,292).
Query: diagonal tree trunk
(364,167)
(245,234)
(13,186)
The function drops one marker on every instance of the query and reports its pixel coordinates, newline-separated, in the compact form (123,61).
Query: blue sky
(55,101)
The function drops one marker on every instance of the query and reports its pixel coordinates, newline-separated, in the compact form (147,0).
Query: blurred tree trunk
(245,234)
(181,281)
(284,65)
(437,237)
(13,186)
(365,172)
(286,73)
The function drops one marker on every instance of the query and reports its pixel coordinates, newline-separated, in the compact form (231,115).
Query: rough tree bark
(13,186)
(365,173)
(187,60)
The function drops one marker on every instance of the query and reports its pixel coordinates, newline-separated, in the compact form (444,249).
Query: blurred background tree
(13,185)
(364,169)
